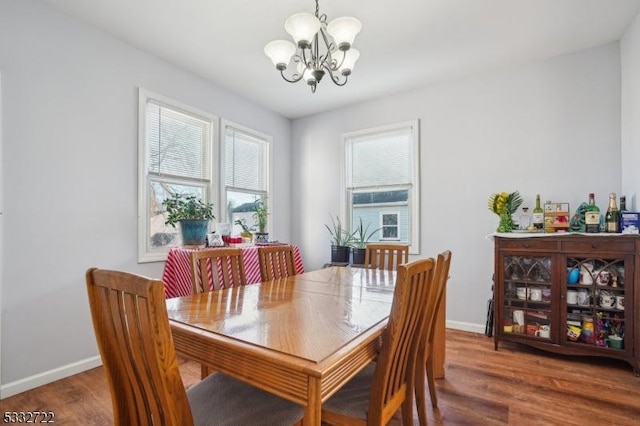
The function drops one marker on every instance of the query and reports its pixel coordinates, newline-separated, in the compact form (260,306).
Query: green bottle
(538,215)
(592,216)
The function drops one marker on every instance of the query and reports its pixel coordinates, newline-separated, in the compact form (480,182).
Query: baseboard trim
(50,376)
(466,326)
(47,377)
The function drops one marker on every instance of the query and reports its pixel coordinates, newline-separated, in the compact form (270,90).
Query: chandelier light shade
(319,48)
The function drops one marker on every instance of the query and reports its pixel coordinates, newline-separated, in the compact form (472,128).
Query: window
(381,182)
(390,226)
(246,172)
(176,146)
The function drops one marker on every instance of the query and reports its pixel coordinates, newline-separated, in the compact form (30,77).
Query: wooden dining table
(301,337)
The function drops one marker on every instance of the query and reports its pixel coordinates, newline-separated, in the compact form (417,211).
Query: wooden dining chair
(381,388)
(424,364)
(134,337)
(217,268)
(276,262)
(385,256)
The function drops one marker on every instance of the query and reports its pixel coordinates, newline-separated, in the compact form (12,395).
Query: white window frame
(266,192)
(145,253)
(413,187)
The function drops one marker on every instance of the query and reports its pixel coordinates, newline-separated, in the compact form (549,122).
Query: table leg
(313,410)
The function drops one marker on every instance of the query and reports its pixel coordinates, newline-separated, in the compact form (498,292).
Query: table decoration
(505,204)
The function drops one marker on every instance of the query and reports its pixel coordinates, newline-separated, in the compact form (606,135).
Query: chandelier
(319,48)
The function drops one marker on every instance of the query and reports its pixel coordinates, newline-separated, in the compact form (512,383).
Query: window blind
(178,143)
(244,161)
(380,159)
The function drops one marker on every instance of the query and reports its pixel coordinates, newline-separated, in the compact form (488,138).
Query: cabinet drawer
(618,245)
(538,244)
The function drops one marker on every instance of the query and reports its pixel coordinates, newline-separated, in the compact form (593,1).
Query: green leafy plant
(361,235)
(186,207)
(243,224)
(339,236)
(260,213)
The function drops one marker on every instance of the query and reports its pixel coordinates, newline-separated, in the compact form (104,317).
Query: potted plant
(260,213)
(246,232)
(361,236)
(340,241)
(192,214)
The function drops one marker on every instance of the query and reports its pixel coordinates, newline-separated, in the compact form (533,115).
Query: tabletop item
(538,215)
(592,216)
(612,217)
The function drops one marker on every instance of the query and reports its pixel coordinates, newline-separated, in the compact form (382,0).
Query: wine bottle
(538,215)
(592,216)
(612,218)
(623,203)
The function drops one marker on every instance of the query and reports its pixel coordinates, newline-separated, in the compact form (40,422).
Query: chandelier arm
(304,59)
(294,78)
(334,78)
(328,58)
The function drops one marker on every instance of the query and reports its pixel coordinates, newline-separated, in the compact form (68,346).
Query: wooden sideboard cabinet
(572,294)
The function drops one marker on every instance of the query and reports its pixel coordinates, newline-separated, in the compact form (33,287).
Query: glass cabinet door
(527,296)
(595,299)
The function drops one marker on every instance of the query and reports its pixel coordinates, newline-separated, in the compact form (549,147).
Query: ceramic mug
(607,301)
(544,331)
(521,292)
(583,298)
(602,277)
(535,294)
(572,297)
(586,274)
(620,302)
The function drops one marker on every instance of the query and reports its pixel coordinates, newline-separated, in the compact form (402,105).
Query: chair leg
(420,394)
(407,411)
(432,383)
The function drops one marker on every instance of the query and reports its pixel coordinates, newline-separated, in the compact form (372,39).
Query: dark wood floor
(514,386)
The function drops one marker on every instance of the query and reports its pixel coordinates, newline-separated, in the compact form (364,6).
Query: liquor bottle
(525,219)
(623,203)
(612,218)
(538,215)
(592,216)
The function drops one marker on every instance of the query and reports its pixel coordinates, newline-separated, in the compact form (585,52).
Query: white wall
(630,59)
(551,128)
(69,178)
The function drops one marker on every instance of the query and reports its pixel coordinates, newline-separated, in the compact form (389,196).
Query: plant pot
(193,232)
(261,237)
(340,254)
(358,256)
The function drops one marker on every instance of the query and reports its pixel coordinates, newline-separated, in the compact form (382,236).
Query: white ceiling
(403,43)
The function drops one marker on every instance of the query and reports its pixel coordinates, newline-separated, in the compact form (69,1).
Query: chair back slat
(132,329)
(385,256)
(276,262)
(395,366)
(217,268)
